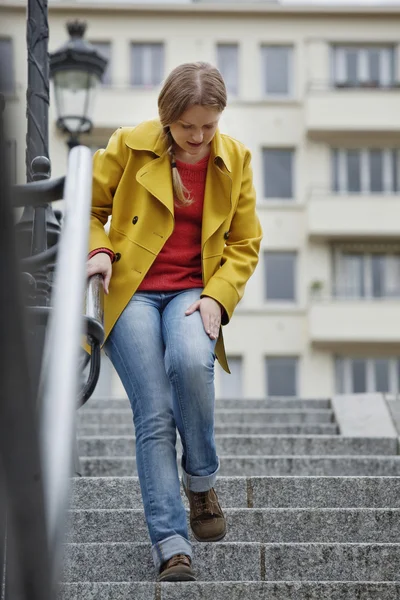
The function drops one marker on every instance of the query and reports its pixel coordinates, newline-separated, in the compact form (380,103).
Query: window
(363,66)
(147,64)
(361,375)
(367,275)
(105,49)
(7,83)
(280,276)
(277,70)
(365,171)
(282,376)
(228,64)
(278,173)
(231,386)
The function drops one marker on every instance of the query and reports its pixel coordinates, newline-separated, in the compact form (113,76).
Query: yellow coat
(132,182)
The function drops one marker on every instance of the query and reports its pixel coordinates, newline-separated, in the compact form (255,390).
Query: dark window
(280,269)
(105,49)
(147,64)
(376,170)
(359,376)
(228,64)
(353,171)
(278,173)
(277,69)
(282,376)
(381,368)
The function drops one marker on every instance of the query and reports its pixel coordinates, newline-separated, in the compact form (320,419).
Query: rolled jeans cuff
(166,549)
(199,483)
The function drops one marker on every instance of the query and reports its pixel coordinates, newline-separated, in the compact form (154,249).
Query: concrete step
(284,403)
(261,445)
(307,590)
(263,465)
(222,416)
(268,525)
(132,562)
(231,429)
(240,562)
(257,492)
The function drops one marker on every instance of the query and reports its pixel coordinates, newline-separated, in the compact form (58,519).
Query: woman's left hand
(210,312)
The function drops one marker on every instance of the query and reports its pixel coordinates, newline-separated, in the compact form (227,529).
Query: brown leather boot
(206,517)
(177,568)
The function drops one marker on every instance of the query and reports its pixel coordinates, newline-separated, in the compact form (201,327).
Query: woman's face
(195,129)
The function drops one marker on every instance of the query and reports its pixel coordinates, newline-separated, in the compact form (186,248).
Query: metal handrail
(38,193)
(94,316)
(59,384)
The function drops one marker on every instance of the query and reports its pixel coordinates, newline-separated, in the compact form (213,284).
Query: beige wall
(311,121)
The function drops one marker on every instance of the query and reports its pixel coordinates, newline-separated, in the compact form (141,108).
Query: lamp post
(76,69)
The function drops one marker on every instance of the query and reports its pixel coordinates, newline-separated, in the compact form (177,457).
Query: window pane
(340,375)
(381,369)
(105,49)
(391,275)
(378,275)
(231,386)
(282,376)
(147,64)
(277,69)
(374,65)
(376,170)
(7,83)
(353,171)
(359,376)
(335,170)
(352,66)
(395,158)
(280,275)
(278,173)
(227,61)
(351,276)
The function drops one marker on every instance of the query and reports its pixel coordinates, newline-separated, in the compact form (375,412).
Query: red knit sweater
(178,265)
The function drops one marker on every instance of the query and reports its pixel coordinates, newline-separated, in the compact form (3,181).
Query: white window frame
(290,74)
(339,280)
(386,56)
(365,175)
(347,384)
(235,45)
(146,66)
(296,375)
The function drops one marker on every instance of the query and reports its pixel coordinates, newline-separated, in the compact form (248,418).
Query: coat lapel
(156,177)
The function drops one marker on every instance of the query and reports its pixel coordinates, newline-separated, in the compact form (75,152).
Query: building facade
(314,92)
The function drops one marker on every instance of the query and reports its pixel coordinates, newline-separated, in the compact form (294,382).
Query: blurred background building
(314,92)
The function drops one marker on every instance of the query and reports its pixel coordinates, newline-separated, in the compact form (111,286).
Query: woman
(183,241)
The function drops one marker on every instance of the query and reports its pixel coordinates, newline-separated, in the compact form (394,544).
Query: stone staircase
(312,515)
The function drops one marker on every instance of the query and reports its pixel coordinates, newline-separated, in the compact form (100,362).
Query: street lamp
(76,69)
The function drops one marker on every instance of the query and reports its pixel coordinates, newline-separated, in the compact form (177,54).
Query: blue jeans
(165,361)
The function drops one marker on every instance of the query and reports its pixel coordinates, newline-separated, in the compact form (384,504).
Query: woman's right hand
(100,263)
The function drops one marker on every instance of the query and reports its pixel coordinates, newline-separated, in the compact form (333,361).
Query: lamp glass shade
(74,95)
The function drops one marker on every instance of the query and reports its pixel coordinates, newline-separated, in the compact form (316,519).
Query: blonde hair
(188,85)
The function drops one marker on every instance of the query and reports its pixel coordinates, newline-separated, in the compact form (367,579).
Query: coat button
(135,220)
(117,256)
(226,234)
